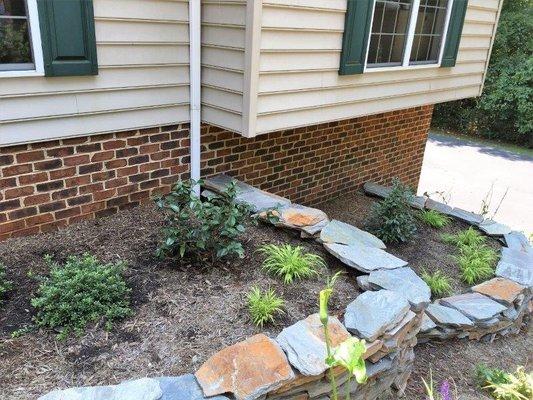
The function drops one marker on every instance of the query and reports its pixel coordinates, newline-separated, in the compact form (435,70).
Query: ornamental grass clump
(468,237)
(290,262)
(264,306)
(434,218)
(392,219)
(5,285)
(477,263)
(80,292)
(438,283)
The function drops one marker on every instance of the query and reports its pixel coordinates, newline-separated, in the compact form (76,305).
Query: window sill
(401,68)
(20,74)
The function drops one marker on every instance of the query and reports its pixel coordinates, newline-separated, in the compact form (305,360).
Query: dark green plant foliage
(81,291)
(5,285)
(505,110)
(392,219)
(203,230)
(503,385)
(485,375)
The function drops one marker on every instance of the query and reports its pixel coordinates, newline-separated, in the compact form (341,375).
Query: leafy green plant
(264,306)
(5,285)
(81,291)
(477,263)
(392,219)
(438,283)
(290,262)
(205,230)
(349,354)
(468,237)
(434,218)
(505,386)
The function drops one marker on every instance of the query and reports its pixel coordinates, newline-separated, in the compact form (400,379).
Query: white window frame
(409,44)
(35,41)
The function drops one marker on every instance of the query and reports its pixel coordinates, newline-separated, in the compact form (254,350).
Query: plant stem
(334,393)
(348,387)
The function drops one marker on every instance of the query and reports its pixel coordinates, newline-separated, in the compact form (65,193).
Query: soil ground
(183,313)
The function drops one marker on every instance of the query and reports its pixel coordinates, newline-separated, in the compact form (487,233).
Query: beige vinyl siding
(143,78)
(299,84)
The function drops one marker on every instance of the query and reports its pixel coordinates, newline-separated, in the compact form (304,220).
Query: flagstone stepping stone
(474,305)
(183,387)
(376,190)
(500,289)
(447,316)
(493,228)
(295,216)
(364,258)
(140,389)
(248,369)
(373,313)
(438,206)
(305,346)
(340,232)
(518,241)
(523,276)
(405,282)
(427,324)
(467,216)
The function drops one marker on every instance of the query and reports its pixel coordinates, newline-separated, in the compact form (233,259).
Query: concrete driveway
(467,170)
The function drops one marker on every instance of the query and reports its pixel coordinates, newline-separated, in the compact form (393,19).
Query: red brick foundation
(48,185)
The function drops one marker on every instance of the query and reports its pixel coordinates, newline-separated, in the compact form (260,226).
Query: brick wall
(48,185)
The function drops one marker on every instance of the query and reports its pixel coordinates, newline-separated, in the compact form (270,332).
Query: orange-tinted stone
(500,289)
(247,369)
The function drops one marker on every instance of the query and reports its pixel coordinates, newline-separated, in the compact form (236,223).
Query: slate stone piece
(219,183)
(140,389)
(474,305)
(523,276)
(364,258)
(248,369)
(418,202)
(427,324)
(447,316)
(364,284)
(405,282)
(500,289)
(295,216)
(519,258)
(343,233)
(373,313)
(467,216)
(493,228)
(438,206)
(305,346)
(518,241)
(376,190)
(183,387)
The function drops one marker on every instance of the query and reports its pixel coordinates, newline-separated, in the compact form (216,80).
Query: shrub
(79,292)
(5,285)
(290,262)
(438,283)
(264,306)
(505,386)
(392,219)
(468,237)
(434,218)
(206,229)
(477,263)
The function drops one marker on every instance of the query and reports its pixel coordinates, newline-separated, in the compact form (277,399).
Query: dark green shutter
(356,36)
(68,39)
(455,29)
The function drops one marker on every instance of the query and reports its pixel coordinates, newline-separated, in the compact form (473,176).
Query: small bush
(392,219)
(264,306)
(79,292)
(505,386)
(5,285)
(468,237)
(477,263)
(434,218)
(206,229)
(438,283)
(290,262)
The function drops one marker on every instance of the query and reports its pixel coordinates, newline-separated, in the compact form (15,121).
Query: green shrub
(468,237)
(438,283)
(477,263)
(434,218)
(392,218)
(79,292)
(290,262)
(264,306)
(504,386)
(5,285)
(199,229)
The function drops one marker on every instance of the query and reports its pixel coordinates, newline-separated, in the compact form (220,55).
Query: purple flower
(445,391)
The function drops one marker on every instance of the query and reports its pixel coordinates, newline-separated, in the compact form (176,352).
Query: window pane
(428,32)
(13,7)
(14,42)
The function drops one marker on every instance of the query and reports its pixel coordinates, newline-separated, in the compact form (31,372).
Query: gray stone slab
(343,233)
(474,305)
(438,206)
(405,282)
(467,216)
(376,190)
(493,228)
(374,369)
(183,387)
(364,258)
(364,284)
(446,316)
(140,389)
(418,202)
(307,219)
(523,276)
(427,324)
(519,258)
(220,182)
(518,241)
(261,201)
(373,313)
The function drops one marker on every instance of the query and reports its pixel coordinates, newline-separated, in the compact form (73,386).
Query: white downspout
(195,87)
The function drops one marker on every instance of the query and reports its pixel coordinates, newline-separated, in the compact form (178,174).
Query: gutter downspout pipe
(195,89)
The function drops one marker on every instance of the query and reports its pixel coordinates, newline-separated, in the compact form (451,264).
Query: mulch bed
(183,313)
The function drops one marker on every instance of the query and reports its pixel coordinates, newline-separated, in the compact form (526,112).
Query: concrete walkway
(465,171)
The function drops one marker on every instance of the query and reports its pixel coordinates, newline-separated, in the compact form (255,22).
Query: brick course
(46,186)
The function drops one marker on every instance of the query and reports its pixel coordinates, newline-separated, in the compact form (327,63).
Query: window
(407,32)
(20,48)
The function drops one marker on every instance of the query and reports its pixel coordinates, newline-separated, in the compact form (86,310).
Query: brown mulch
(182,313)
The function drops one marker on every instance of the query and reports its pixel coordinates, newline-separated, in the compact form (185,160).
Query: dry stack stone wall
(48,185)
